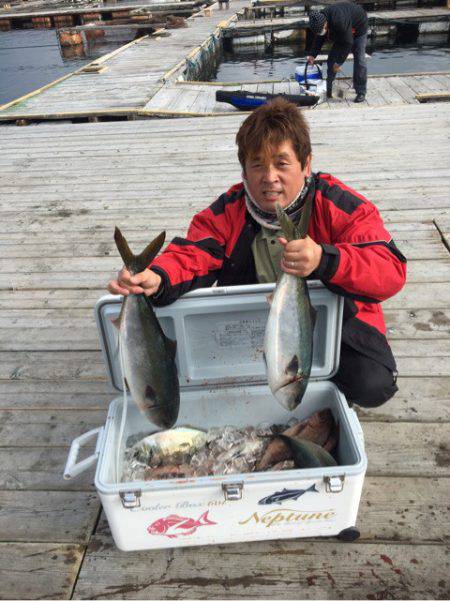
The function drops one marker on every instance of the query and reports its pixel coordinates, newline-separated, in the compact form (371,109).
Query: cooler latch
(130,498)
(334,483)
(232,491)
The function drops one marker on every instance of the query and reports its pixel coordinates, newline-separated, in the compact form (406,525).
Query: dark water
(252,63)
(31,58)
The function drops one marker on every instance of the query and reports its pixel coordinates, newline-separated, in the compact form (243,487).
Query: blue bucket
(308,75)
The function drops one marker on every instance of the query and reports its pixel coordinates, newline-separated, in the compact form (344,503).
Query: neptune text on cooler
(282,516)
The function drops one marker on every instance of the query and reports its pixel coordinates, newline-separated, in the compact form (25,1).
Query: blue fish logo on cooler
(286,495)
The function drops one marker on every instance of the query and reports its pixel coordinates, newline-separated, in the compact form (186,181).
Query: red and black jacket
(359,261)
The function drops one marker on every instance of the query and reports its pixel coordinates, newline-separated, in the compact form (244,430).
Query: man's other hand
(310,60)
(300,257)
(336,68)
(146,282)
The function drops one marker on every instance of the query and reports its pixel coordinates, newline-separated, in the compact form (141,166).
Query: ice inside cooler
(236,406)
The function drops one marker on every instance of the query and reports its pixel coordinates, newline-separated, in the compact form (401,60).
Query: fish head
(158,527)
(165,417)
(291,393)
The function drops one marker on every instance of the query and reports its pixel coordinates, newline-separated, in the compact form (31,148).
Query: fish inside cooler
(233,406)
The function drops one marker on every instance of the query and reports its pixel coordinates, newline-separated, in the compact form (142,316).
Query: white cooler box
(220,333)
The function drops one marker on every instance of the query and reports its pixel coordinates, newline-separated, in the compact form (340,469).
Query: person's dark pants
(363,380)
(359,65)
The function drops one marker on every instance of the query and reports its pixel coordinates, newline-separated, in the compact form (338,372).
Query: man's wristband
(329,262)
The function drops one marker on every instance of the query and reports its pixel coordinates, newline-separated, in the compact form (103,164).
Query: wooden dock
(122,82)
(248,27)
(136,80)
(63,188)
(45,18)
(199,98)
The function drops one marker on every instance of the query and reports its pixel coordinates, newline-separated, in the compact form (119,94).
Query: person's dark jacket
(346,21)
(360,260)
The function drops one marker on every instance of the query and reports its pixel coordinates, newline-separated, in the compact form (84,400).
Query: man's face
(278,179)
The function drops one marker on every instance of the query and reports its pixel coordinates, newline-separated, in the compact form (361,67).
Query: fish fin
(126,384)
(150,393)
(292,367)
(286,439)
(286,223)
(171,346)
(137,263)
(265,358)
(116,322)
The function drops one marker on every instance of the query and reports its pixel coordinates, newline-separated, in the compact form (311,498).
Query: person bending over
(345,24)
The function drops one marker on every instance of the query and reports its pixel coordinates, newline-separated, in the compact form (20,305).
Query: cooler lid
(220,334)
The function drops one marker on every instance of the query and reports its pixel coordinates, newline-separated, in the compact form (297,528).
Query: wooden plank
(47,428)
(433,96)
(49,331)
(55,395)
(443,227)
(105,8)
(414,249)
(264,570)
(420,449)
(418,399)
(418,272)
(38,570)
(47,516)
(107,92)
(40,468)
(418,324)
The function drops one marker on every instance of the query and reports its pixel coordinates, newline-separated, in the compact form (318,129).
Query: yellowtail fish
(288,342)
(148,356)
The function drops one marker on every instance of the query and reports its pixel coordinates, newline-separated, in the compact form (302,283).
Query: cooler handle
(306,74)
(73,468)
(356,425)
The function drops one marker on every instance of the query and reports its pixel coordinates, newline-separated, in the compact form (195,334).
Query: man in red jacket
(237,240)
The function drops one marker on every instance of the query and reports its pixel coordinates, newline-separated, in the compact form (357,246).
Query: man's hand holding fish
(145,282)
(300,257)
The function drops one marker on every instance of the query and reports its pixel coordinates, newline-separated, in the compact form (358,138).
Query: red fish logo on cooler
(174,526)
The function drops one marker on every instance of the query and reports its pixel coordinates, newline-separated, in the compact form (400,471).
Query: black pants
(359,65)
(363,380)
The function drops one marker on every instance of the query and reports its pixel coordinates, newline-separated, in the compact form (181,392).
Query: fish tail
(137,263)
(313,488)
(286,223)
(203,519)
(290,230)
(303,225)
